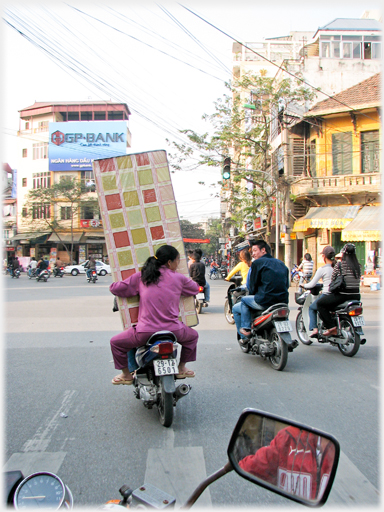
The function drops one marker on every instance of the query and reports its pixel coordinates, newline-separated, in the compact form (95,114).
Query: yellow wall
(341,123)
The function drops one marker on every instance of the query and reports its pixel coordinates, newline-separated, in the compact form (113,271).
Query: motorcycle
(270,335)
(155,366)
(295,274)
(15,273)
(231,299)
(349,322)
(294,471)
(214,273)
(31,273)
(200,302)
(58,272)
(92,277)
(43,276)
(223,272)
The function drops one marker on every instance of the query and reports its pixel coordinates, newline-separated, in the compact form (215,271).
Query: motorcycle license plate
(358,321)
(284,326)
(165,367)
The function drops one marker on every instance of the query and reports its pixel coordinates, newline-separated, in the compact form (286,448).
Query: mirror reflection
(294,460)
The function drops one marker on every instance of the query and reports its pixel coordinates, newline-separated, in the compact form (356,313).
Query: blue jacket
(269,281)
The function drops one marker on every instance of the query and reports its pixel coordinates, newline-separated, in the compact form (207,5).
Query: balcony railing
(343,184)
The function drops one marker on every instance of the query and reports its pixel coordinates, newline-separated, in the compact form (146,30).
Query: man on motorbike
(324,273)
(160,288)
(90,265)
(214,267)
(293,454)
(42,264)
(32,266)
(268,284)
(198,272)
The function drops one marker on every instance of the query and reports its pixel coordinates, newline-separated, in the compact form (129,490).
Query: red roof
(363,95)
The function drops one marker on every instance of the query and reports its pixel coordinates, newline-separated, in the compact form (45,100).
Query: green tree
(214,232)
(244,135)
(190,230)
(70,194)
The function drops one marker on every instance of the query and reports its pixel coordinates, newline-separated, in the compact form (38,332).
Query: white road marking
(351,487)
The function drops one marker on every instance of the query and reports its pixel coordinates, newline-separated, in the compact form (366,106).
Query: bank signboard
(74,145)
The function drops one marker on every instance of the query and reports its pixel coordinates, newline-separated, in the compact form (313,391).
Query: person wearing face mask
(160,288)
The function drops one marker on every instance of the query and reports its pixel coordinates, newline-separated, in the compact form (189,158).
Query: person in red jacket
(297,461)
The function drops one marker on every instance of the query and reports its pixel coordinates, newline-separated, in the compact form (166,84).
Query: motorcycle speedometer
(42,490)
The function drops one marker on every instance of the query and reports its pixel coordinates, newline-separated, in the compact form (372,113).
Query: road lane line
(33,462)
(178,471)
(351,487)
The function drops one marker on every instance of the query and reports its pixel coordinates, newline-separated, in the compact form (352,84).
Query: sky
(168,65)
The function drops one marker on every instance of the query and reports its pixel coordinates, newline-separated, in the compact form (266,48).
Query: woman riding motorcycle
(160,288)
(349,267)
(242,267)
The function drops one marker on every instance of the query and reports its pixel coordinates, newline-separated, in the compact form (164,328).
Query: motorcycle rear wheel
(296,278)
(301,330)
(280,359)
(213,276)
(165,406)
(353,345)
(227,313)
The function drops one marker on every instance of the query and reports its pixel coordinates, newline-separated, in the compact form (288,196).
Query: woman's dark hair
(196,255)
(246,257)
(350,259)
(307,256)
(150,273)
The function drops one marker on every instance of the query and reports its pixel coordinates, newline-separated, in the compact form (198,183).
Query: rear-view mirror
(288,458)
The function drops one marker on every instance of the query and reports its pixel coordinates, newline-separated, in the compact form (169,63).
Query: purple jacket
(159,303)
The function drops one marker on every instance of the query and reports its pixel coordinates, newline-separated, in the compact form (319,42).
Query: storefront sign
(92,223)
(75,144)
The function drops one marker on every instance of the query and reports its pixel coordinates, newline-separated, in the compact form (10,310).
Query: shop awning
(364,228)
(31,236)
(326,217)
(65,237)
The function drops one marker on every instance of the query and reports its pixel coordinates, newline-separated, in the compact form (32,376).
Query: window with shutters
(312,158)
(370,147)
(342,153)
(298,156)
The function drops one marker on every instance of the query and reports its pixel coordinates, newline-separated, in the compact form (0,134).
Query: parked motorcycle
(200,302)
(43,276)
(92,277)
(270,335)
(232,299)
(155,368)
(349,321)
(58,272)
(294,471)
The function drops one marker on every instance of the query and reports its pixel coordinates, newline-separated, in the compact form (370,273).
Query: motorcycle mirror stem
(205,483)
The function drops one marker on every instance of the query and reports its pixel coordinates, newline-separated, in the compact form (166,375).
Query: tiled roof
(363,95)
(42,104)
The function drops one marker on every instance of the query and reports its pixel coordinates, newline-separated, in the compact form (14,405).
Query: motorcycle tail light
(355,312)
(281,313)
(201,288)
(163,348)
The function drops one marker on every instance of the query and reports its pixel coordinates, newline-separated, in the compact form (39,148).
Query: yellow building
(342,185)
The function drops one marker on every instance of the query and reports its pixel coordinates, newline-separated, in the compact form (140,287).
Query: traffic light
(227,168)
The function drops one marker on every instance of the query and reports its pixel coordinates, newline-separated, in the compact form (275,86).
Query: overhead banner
(74,145)
(139,215)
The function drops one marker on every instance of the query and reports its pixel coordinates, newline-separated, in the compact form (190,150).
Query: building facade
(57,141)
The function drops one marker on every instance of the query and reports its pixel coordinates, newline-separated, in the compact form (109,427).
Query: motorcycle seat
(347,303)
(259,312)
(161,335)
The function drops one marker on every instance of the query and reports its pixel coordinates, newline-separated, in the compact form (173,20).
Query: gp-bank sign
(74,145)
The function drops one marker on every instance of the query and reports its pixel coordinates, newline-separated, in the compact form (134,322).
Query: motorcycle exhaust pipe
(181,391)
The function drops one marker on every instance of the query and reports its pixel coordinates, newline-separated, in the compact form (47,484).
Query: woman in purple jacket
(160,288)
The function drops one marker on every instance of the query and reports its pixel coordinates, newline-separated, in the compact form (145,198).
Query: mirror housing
(285,457)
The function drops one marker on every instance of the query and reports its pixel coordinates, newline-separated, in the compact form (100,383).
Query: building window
(41,179)
(89,213)
(370,148)
(99,116)
(64,178)
(42,126)
(73,116)
(40,150)
(25,153)
(41,211)
(115,115)
(350,47)
(24,212)
(65,212)
(27,125)
(24,182)
(342,153)
(86,116)
(88,181)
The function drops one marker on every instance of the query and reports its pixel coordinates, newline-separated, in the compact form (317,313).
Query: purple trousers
(122,343)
